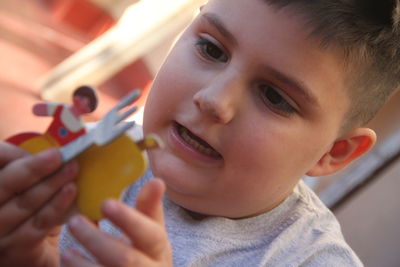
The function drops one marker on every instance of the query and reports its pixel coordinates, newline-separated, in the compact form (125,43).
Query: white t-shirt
(301,231)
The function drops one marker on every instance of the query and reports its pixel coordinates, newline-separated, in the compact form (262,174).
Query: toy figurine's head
(85,99)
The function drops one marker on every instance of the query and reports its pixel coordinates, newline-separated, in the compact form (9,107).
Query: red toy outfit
(65,126)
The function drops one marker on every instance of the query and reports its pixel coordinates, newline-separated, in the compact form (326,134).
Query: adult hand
(36,194)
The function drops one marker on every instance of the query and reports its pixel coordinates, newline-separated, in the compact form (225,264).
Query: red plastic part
(22,137)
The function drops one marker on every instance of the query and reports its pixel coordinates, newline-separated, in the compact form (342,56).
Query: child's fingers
(19,175)
(23,206)
(9,152)
(108,250)
(147,235)
(144,226)
(149,199)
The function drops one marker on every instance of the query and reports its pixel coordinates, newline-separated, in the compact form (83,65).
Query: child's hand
(34,200)
(145,242)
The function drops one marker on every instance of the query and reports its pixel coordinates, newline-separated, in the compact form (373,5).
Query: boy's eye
(275,100)
(210,51)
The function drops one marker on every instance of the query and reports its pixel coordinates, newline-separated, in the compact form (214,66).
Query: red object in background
(20,138)
(91,21)
(82,15)
(134,76)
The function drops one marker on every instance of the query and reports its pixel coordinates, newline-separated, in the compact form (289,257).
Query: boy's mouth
(196,142)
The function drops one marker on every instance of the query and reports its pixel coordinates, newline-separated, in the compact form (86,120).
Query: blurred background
(49,47)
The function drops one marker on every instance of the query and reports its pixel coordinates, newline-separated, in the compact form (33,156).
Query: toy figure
(67,124)
(109,160)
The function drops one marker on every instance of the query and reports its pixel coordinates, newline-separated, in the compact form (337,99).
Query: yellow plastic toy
(109,160)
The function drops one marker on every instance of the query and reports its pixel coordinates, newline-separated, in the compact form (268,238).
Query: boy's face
(247,104)
(81,103)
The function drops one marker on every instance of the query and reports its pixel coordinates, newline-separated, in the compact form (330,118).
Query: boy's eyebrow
(219,25)
(297,85)
(291,82)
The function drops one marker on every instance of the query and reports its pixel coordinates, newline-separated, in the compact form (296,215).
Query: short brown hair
(368,34)
(88,92)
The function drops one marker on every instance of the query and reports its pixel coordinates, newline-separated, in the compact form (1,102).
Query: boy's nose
(217,102)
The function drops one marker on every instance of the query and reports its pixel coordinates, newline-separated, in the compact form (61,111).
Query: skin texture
(35,199)
(220,81)
(229,80)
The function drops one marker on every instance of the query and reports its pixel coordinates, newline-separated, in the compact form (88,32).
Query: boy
(255,94)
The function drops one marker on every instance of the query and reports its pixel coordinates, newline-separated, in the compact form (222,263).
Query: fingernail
(48,155)
(68,187)
(76,221)
(111,205)
(67,255)
(70,254)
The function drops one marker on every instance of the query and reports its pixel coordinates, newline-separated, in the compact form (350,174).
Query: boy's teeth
(198,146)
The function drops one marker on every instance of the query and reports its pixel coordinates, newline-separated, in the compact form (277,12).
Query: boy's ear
(345,150)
